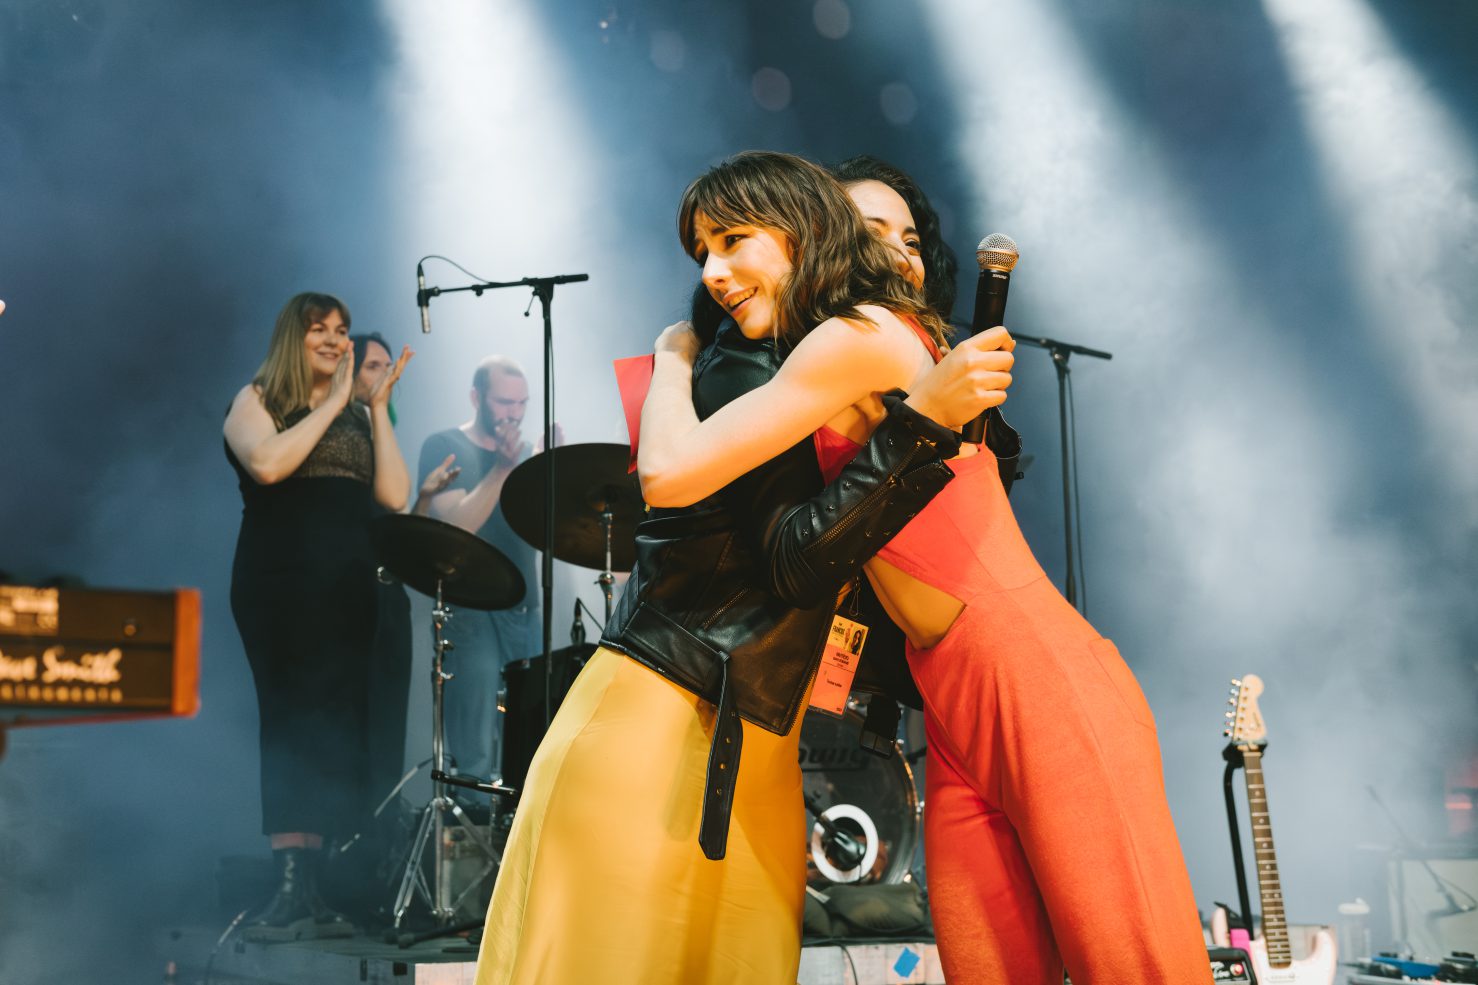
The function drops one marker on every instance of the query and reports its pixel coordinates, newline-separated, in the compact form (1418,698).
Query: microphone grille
(997,252)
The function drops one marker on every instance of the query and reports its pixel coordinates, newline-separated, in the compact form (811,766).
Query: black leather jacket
(731,598)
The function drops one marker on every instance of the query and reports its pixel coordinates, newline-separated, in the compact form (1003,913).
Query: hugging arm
(681,460)
(814,542)
(812,538)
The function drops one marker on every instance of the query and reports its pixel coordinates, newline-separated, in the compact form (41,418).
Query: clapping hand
(440,477)
(509,440)
(380,395)
(342,389)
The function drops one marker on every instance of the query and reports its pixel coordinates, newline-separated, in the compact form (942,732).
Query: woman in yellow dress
(641,852)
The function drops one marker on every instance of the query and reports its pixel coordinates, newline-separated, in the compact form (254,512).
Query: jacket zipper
(851,516)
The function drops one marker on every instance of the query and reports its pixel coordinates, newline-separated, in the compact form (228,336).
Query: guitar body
(1318,968)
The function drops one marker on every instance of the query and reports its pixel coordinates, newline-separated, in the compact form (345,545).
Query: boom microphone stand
(1070,521)
(543,288)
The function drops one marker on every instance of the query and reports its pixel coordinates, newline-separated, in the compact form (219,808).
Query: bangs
(317,307)
(724,201)
(755,188)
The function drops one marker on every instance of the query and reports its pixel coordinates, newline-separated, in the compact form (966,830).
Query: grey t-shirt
(475,462)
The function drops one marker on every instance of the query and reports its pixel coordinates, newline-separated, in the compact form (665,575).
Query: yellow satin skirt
(603,880)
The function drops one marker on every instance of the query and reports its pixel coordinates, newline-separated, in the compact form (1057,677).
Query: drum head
(871,800)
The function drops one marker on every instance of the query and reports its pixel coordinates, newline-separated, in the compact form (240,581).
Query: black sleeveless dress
(303,594)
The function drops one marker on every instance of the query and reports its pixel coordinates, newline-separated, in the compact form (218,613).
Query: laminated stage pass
(838,665)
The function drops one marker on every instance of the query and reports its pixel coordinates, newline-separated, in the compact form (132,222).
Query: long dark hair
(361,346)
(837,263)
(940,265)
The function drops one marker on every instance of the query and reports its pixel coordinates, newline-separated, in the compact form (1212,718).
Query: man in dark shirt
(487,448)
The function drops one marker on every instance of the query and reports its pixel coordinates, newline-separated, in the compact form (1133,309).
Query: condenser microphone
(423,300)
(997,256)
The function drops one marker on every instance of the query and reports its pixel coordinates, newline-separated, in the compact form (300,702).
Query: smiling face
(744,268)
(326,341)
(888,217)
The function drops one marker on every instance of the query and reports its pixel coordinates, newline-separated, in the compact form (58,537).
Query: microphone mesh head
(997,252)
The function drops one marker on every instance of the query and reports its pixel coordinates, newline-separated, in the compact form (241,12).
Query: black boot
(327,922)
(286,915)
(296,911)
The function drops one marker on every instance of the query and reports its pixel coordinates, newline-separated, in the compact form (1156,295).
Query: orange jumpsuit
(1047,836)
(1046,831)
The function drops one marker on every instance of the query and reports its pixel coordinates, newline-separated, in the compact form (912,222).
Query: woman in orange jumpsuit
(1048,838)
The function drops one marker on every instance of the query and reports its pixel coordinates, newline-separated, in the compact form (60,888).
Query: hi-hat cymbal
(588,479)
(418,550)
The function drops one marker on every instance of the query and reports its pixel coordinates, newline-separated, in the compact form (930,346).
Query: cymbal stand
(436,892)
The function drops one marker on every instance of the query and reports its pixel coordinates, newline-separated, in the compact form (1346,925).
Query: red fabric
(929,343)
(833,451)
(634,379)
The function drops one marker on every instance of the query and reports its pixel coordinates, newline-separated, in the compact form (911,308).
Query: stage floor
(356,960)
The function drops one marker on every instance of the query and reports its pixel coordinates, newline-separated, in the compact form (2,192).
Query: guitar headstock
(1244,721)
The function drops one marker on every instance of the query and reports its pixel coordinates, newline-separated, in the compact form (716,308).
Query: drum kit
(865,810)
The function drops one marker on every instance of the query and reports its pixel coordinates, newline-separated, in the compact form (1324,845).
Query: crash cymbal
(418,550)
(588,479)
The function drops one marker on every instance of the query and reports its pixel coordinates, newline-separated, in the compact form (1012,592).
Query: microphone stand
(1060,352)
(543,288)
(1409,849)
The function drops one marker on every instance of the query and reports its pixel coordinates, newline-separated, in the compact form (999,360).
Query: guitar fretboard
(1274,922)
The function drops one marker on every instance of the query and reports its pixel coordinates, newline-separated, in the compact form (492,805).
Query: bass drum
(522,704)
(870,802)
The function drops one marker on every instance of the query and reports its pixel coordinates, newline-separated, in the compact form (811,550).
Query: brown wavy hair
(285,379)
(836,262)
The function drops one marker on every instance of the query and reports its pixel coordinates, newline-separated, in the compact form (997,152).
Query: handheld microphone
(423,300)
(997,256)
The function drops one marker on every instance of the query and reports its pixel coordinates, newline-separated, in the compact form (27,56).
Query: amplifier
(1228,964)
(1231,964)
(81,655)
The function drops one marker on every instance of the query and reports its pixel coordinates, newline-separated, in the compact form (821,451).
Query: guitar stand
(1234,762)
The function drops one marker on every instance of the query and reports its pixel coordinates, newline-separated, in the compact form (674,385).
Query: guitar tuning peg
(1227,732)
(1236,682)
(1229,716)
(1231,702)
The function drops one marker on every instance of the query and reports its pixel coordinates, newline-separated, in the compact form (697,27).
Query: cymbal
(418,550)
(588,479)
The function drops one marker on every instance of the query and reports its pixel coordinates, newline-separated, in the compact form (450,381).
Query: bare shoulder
(877,351)
(248,396)
(247,409)
(884,335)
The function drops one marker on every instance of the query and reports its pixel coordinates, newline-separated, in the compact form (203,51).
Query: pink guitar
(1272,957)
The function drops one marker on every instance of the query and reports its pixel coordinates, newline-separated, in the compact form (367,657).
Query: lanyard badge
(839,660)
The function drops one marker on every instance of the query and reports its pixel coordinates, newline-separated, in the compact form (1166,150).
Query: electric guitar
(1272,957)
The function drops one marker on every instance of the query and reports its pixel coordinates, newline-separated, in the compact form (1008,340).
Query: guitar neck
(1270,889)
